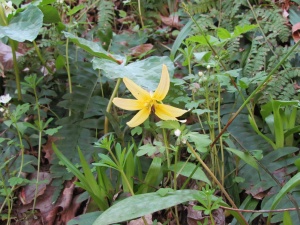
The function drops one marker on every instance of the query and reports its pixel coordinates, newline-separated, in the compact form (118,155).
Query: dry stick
(215,179)
(258,89)
(258,211)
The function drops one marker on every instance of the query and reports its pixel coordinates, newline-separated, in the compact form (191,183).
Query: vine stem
(214,179)
(258,89)
(109,105)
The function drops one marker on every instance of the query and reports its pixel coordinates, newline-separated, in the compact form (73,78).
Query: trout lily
(146,101)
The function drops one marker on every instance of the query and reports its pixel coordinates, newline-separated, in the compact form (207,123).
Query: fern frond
(200,6)
(271,22)
(105,14)
(282,86)
(256,58)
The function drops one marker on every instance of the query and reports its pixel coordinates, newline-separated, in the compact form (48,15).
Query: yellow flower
(148,101)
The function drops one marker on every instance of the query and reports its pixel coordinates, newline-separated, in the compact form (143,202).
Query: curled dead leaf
(296,32)
(172,21)
(140,49)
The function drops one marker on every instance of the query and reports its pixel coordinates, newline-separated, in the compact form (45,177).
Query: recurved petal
(163,86)
(139,118)
(167,112)
(128,104)
(137,91)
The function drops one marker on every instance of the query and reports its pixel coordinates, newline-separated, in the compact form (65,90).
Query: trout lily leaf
(146,101)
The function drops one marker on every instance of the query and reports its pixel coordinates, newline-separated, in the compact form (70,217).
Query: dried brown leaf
(60,212)
(296,32)
(6,58)
(140,49)
(172,21)
(28,192)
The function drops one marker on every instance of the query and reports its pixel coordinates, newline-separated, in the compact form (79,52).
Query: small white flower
(208,67)
(200,74)
(8,7)
(5,98)
(177,132)
(60,1)
(2,109)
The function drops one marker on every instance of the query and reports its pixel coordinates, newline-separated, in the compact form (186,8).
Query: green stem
(38,52)
(16,68)
(68,69)
(40,129)
(214,179)
(109,105)
(167,153)
(38,171)
(140,13)
(258,89)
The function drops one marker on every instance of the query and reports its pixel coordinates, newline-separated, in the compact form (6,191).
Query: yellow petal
(128,104)
(163,86)
(139,118)
(138,92)
(167,112)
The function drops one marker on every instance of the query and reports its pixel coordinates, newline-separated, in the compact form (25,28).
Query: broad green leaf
(186,169)
(51,14)
(25,26)
(223,33)
(140,205)
(151,179)
(168,124)
(202,55)
(287,219)
(201,141)
(292,183)
(164,191)
(246,157)
(294,13)
(93,48)
(52,131)
(185,31)
(145,73)
(75,9)
(85,219)
(238,30)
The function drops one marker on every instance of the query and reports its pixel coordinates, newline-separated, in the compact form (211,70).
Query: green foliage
(146,203)
(280,116)
(208,201)
(268,179)
(19,29)
(105,14)
(99,188)
(200,6)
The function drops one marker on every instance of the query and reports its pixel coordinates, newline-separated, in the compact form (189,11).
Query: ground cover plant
(149,112)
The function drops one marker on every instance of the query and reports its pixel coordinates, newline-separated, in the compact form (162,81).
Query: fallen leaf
(140,49)
(59,212)
(140,221)
(296,32)
(195,216)
(172,21)
(47,148)
(28,192)
(6,57)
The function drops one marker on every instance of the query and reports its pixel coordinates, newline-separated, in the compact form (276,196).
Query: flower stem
(108,108)
(16,68)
